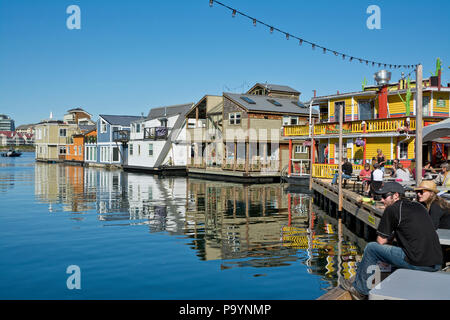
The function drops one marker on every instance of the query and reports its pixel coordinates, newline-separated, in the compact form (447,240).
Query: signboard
(334,128)
(440,103)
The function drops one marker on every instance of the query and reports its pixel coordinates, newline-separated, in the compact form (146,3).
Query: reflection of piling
(362,219)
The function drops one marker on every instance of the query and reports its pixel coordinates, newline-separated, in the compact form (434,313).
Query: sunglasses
(419,191)
(386,195)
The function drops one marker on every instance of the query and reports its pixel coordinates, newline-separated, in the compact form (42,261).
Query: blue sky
(130,56)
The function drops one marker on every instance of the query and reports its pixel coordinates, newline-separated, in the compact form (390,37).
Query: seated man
(418,243)
(347,171)
(376,180)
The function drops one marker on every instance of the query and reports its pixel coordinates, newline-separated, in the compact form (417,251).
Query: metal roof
(168,111)
(288,106)
(123,121)
(276,87)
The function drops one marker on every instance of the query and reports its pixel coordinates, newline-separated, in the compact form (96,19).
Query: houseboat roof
(268,104)
(124,121)
(169,111)
(87,127)
(275,87)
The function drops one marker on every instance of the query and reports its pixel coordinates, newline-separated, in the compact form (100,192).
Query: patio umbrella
(436,131)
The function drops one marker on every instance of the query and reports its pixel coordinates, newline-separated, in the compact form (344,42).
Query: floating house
(158,143)
(382,117)
(111,145)
(76,151)
(237,137)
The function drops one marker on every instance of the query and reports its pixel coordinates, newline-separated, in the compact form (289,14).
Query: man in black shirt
(418,244)
(347,171)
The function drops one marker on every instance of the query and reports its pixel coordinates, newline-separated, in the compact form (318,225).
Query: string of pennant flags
(313,45)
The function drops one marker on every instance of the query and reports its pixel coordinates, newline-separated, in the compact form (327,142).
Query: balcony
(121,136)
(357,127)
(156,133)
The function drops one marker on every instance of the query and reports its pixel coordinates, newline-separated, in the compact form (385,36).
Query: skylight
(299,104)
(275,102)
(248,100)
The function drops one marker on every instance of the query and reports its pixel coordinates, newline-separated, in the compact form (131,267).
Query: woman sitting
(402,174)
(365,176)
(438,208)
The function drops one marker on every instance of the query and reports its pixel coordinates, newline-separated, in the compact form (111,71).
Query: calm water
(135,236)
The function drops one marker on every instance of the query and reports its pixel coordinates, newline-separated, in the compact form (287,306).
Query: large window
(365,110)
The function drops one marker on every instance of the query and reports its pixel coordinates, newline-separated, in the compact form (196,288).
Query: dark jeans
(374,253)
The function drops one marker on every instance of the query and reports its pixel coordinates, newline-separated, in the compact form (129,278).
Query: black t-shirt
(347,168)
(411,225)
(379,160)
(439,216)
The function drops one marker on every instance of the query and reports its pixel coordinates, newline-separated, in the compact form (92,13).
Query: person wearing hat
(438,208)
(417,248)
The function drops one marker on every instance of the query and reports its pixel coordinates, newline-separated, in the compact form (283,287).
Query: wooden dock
(361,218)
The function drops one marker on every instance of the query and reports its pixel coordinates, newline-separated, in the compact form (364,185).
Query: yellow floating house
(378,117)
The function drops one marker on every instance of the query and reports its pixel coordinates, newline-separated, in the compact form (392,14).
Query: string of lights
(313,45)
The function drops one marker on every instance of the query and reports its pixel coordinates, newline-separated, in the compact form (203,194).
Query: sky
(131,56)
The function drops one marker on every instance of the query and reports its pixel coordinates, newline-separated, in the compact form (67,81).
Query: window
(103,127)
(235,118)
(115,154)
(138,127)
(131,149)
(62,132)
(62,150)
(299,104)
(80,151)
(150,150)
(337,107)
(139,149)
(286,121)
(163,122)
(301,149)
(426,106)
(366,110)
(403,146)
(294,120)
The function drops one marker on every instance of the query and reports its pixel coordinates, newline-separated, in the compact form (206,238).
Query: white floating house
(158,143)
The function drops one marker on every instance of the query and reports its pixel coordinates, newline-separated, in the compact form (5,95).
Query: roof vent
(382,77)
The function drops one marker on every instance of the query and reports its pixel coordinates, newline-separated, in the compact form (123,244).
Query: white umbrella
(436,131)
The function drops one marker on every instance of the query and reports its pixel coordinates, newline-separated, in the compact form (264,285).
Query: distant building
(6,123)
(78,116)
(14,138)
(25,128)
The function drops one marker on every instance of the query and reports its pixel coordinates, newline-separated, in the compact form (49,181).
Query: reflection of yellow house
(374,118)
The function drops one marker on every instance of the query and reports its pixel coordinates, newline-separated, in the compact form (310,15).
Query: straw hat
(427,185)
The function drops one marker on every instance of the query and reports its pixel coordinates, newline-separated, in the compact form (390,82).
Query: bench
(405,284)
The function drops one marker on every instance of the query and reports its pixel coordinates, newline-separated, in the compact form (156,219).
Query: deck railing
(361,126)
(328,170)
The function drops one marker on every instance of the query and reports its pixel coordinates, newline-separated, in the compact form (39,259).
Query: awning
(436,131)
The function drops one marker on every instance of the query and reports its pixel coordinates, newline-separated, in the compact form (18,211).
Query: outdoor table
(444,236)
(405,284)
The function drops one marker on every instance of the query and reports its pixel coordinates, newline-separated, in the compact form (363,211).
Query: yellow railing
(371,126)
(328,170)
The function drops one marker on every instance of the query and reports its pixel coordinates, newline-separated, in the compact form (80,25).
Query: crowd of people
(406,234)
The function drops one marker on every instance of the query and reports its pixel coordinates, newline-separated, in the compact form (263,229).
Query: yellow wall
(440,111)
(378,143)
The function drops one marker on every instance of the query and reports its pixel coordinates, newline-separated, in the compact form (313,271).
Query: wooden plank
(336,294)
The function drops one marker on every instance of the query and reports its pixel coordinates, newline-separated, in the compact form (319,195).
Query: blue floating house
(111,147)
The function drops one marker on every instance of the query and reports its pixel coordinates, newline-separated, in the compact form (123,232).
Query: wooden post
(419,110)
(341,111)
(312,156)
(290,158)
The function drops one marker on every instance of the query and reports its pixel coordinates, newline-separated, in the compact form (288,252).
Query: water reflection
(242,225)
